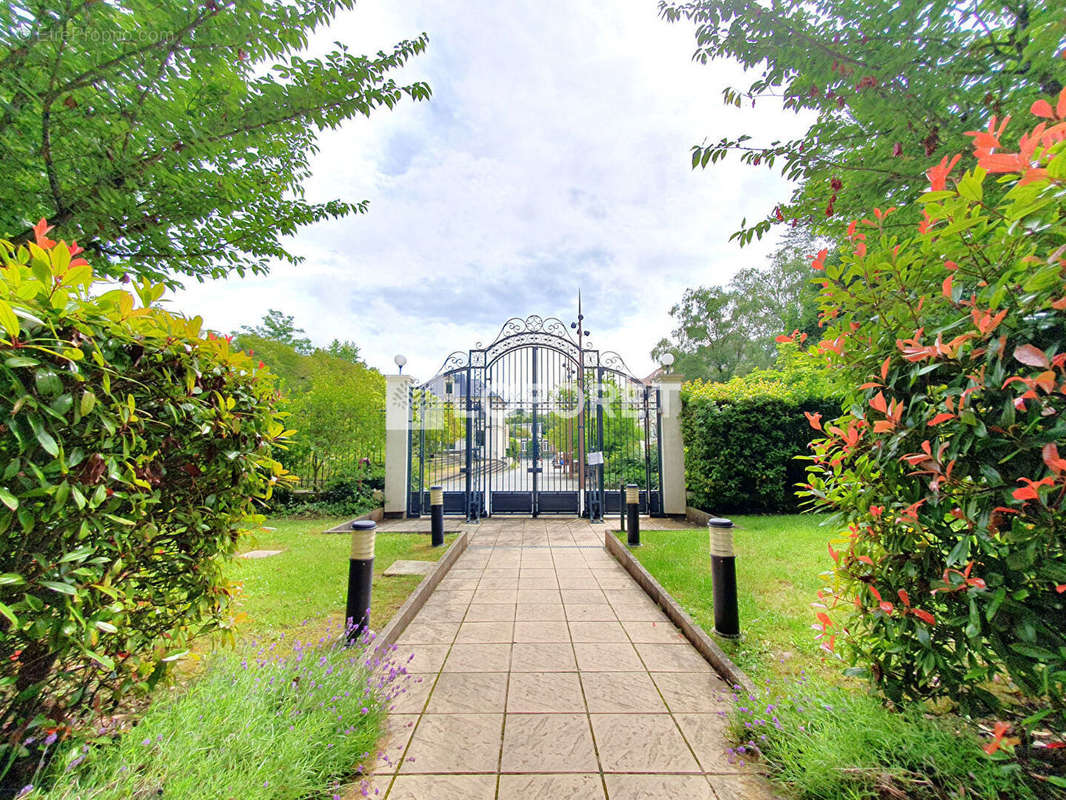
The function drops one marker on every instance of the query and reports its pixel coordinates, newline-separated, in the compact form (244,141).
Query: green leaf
(47,442)
(62,588)
(8,320)
(11,579)
(8,499)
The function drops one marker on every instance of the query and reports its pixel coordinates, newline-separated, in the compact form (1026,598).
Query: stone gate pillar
(674,496)
(397,420)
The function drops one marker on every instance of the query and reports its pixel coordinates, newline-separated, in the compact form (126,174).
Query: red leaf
(878,403)
(887,607)
(943,416)
(1042,108)
(814,419)
(819,260)
(1031,356)
(924,616)
(904,597)
(884,367)
(946,286)
(782,339)
(834,554)
(1061,588)
(1052,459)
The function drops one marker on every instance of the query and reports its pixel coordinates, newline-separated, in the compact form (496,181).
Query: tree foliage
(946,467)
(281,328)
(727,331)
(172,137)
(133,450)
(886,83)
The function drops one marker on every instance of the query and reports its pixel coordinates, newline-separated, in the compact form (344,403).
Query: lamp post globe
(400,360)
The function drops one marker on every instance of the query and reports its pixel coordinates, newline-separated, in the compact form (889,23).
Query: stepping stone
(260,553)
(410,568)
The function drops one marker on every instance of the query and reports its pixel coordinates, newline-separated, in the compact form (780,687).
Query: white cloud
(553,156)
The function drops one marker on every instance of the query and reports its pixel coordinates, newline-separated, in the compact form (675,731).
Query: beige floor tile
(541,612)
(659,787)
(605,631)
(479,658)
(442,612)
(542,657)
(537,572)
(455,743)
(707,734)
(540,596)
(451,583)
(450,596)
(412,695)
(483,595)
(476,632)
(576,581)
(672,658)
(457,572)
(607,657)
(544,693)
(501,572)
(692,692)
(469,693)
(641,743)
(490,612)
(654,632)
(551,787)
(615,581)
(541,631)
(398,730)
(548,743)
(630,595)
(443,787)
(621,693)
(416,658)
(639,613)
(583,596)
(742,787)
(542,584)
(598,612)
(495,583)
(419,632)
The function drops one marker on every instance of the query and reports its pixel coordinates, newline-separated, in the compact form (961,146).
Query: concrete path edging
(402,618)
(706,646)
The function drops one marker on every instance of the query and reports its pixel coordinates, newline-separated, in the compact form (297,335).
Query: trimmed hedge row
(741,456)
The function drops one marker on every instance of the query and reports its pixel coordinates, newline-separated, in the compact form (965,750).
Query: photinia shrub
(946,470)
(133,448)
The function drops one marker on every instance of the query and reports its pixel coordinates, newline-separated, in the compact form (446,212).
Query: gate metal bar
(527,375)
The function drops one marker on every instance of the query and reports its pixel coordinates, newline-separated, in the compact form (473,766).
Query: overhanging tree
(888,83)
(172,137)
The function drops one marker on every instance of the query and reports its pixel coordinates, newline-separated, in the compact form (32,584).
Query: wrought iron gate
(534,424)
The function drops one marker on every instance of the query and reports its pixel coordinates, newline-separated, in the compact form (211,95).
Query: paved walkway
(543,672)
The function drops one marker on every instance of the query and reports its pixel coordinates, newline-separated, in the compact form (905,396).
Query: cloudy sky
(554,155)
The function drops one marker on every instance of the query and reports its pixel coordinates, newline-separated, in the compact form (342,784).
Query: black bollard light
(436,509)
(360,579)
(633,511)
(724,578)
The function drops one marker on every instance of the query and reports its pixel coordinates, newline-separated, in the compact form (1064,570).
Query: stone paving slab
(404,567)
(541,671)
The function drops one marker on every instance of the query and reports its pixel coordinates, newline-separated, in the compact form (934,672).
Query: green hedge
(136,451)
(743,438)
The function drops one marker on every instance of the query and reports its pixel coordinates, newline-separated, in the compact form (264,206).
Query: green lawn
(308,580)
(779,561)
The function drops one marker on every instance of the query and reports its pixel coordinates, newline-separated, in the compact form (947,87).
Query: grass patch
(838,744)
(309,578)
(272,723)
(779,559)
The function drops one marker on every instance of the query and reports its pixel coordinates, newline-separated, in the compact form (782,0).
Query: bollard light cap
(364,525)
(719,522)
(436,488)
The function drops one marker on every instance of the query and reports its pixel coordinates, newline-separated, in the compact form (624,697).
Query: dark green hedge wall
(741,455)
